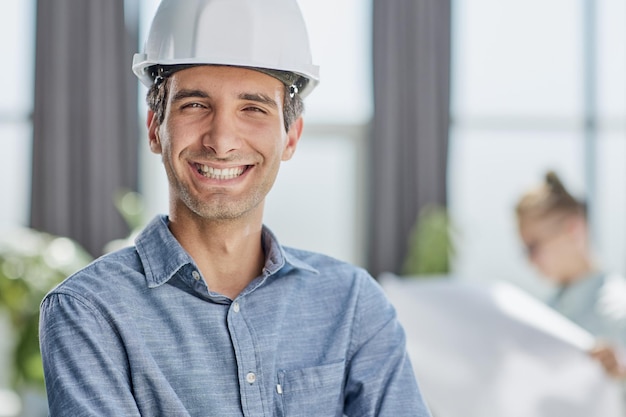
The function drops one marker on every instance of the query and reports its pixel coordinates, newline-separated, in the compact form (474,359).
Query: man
(208,315)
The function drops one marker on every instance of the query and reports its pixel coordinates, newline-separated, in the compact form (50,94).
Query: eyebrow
(261,98)
(183,94)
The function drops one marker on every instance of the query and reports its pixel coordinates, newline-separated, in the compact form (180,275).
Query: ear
(153,132)
(293,137)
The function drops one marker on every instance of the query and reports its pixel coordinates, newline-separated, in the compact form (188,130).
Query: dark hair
(293,106)
(549,198)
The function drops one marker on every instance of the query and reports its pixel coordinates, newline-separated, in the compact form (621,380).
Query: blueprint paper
(495,351)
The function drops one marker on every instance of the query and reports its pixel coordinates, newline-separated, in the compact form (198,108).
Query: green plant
(430,244)
(130,205)
(32,263)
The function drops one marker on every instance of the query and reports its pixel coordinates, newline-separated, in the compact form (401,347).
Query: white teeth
(220,174)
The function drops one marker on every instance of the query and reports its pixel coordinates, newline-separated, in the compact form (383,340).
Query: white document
(495,351)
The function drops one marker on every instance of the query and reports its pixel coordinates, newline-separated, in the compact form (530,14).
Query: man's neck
(229,254)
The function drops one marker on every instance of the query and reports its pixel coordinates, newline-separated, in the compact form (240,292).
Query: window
(17,23)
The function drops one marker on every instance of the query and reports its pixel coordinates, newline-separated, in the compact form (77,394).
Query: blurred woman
(553,227)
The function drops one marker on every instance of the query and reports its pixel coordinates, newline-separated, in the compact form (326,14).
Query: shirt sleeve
(83,360)
(380,380)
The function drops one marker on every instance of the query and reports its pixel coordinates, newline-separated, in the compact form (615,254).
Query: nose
(221,137)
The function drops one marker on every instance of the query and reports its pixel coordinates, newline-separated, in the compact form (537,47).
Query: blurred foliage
(430,245)
(131,206)
(31,264)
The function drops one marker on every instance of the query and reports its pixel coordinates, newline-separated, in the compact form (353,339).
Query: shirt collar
(160,253)
(277,257)
(162,256)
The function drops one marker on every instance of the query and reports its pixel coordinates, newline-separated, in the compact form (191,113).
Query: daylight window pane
(15,142)
(313,204)
(18,52)
(517,59)
(611,200)
(340,35)
(611,59)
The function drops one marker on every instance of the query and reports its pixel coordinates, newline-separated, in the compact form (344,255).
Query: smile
(220,174)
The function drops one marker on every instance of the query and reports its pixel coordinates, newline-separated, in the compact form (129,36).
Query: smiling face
(222,140)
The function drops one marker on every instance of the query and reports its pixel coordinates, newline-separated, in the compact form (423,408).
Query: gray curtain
(85,134)
(409,141)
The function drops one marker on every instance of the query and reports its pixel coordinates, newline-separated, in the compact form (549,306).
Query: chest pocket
(311,392)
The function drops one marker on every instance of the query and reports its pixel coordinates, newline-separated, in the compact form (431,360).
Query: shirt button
(251,377)
(195,275)
(236,308)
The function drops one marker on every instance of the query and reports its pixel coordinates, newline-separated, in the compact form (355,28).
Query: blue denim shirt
(138,333)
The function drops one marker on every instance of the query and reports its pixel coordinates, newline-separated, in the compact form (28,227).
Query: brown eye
(255,109)
(193,105)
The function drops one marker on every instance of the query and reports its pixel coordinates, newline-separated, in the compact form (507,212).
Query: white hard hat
(266,35)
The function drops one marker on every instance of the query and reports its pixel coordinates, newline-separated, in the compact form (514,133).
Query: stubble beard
(221,207)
